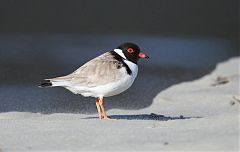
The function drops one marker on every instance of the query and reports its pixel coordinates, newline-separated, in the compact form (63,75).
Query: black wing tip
(45,83)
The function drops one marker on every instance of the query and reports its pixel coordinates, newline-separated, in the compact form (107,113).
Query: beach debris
(220,80)
(232,103)
(236,98)
(165,143)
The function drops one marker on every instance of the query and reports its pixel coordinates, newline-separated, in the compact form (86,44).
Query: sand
(197,115)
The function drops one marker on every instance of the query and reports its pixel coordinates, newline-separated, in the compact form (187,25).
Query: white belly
(112,89)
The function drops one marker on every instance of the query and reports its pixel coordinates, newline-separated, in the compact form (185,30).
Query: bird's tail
(46,83)
(53,83)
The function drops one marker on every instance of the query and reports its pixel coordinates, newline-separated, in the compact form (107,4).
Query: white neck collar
(120,52)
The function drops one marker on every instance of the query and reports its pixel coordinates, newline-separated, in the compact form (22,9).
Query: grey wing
(99,71)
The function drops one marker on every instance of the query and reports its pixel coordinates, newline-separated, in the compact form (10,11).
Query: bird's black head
(132,52)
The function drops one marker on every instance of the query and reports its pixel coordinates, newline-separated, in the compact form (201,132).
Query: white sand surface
(188,116)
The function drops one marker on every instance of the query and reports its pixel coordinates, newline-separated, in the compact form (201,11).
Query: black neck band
(121,59)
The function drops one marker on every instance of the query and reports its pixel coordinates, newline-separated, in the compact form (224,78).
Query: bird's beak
(143,55)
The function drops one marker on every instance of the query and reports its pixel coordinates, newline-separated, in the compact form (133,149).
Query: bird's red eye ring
(130,50)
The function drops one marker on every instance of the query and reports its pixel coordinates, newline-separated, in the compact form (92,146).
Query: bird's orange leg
(101,105)
(98,108)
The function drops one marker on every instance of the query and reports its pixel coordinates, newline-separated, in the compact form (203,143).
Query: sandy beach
(197,115)
(186,96)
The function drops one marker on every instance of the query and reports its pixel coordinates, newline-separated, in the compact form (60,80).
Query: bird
(106,75)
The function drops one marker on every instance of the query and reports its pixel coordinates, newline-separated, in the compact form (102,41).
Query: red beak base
(143,55)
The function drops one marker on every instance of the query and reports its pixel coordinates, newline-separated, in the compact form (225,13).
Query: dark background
(159,17)
(40,39)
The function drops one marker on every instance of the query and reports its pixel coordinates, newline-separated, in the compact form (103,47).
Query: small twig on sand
(220,80)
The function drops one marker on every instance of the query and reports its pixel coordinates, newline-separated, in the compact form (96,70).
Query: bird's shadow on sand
(151,116)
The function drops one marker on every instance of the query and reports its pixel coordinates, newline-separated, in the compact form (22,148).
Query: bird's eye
(130,50)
